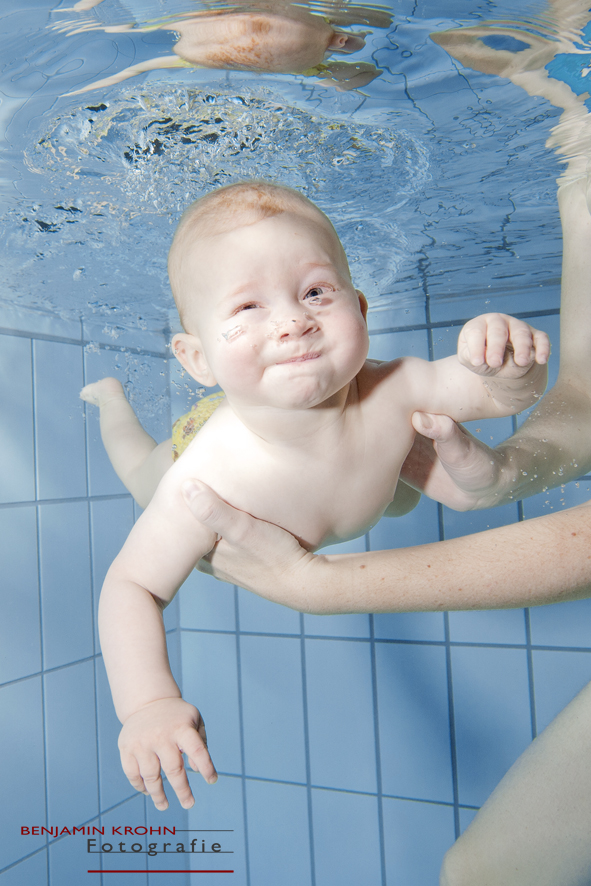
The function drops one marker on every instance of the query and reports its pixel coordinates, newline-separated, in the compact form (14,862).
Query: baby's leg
(534,829)
(139,462)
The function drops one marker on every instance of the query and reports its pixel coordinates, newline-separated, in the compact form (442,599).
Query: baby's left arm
(500,369)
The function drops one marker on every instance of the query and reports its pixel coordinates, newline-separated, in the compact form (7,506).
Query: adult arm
(544,560)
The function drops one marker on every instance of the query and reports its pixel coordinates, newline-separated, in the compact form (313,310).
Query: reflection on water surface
(434,173)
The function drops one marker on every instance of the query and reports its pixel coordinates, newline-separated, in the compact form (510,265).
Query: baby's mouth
(302,358)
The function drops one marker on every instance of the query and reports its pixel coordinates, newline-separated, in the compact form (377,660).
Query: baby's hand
(500,345)
(155,738)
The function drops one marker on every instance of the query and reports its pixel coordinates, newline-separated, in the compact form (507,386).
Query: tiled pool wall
(64,515)
(351,748)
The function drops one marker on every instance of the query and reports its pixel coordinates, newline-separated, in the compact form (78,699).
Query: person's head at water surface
(261,42)
(264,293)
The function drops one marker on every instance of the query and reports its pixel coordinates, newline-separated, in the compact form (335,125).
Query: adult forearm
(539,561)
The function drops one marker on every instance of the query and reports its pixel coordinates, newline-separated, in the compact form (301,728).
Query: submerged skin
(282,330)
(277,37)
(534,829)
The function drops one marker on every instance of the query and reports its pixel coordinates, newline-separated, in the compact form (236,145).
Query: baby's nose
(294,325)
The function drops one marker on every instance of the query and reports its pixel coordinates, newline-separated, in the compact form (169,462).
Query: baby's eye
(247,307)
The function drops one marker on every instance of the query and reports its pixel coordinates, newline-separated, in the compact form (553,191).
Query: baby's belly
(316,518)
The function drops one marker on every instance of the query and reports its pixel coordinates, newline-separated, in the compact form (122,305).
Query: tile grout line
(241,728)
(376,718)
(307,751)
(40,603)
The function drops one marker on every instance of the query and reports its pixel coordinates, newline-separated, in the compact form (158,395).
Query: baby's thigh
(535,828)
(144,481)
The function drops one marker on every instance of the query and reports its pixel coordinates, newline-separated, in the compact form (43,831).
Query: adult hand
(256,555)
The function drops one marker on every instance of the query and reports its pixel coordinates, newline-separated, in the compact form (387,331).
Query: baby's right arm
(463,473)
(158,726)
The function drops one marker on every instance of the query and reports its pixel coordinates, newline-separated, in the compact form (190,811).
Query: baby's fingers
(145,776)
(521,340)
(195,747)
(541,346)
(472,342)
(174,769)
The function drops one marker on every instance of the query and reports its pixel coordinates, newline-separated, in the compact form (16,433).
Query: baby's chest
(322,498)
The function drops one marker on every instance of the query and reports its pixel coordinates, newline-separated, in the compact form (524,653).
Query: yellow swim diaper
(186,427)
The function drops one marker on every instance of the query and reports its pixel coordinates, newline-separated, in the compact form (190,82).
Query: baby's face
(276,315)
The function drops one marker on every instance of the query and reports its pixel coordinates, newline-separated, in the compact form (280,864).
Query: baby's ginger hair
(233,206)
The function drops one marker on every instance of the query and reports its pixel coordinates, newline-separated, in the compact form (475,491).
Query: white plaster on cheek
(234,333)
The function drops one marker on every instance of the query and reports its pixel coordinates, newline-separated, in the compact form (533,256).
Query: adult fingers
(217,515)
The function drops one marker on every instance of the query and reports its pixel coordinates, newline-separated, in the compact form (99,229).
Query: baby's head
(263,289)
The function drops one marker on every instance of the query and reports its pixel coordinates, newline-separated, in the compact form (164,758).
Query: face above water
(279,321)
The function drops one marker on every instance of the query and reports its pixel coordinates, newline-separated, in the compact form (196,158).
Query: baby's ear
(362,303)
(188,351)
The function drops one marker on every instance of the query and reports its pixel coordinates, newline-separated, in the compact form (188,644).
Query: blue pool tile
(21,768)
(466,818)
(416,837)
(568,496)
(353,625)
(492,716)
(278,834)
(346,838)
(131,813)
(114,786)
(69,859)
(59,423)
(173,645)
(340,714)
(206,603)
(562,624)
(219,809)
(31,870)
(171,615)
(66,594)
(458,523)
(210,681)
(37,322)
(558,677)
(409,626)
(110,524)
(71,743)
(263,616)
(479,301)
(409,343)
(494,626)
(130,338)
(16,430)
(408,310)
(20,635)
(419,527)
(102,479)
(174,817)
(413,715)
(273,709)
